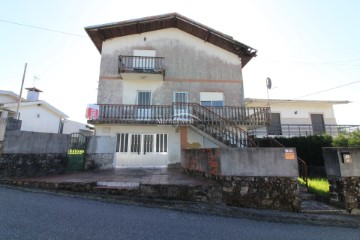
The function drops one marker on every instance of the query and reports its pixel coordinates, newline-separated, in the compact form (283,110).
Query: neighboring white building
(297,117)
(35,115)
(74,127)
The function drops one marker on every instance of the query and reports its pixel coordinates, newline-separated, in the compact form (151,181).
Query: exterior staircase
(219,130)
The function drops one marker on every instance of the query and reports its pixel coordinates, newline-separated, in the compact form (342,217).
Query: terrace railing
(139,64)
(299,130)
(164,114)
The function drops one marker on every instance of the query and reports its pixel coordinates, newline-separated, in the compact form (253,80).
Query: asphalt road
(29,215)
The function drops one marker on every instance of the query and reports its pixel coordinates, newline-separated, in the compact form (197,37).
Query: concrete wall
(101,144)
(27,154)
(22,142)
(335,166)
(258,162)
(191,64)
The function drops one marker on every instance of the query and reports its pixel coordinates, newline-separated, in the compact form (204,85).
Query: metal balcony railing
(177,113)
(299,130)
(139,64)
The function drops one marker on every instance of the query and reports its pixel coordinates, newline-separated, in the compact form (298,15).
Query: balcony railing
(300,130)
(177,113)
(138,64)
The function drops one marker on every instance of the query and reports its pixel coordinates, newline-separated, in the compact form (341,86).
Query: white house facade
(167,83)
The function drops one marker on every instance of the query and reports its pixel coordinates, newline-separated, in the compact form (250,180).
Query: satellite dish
(268,83)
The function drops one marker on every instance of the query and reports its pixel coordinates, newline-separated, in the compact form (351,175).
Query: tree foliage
(351,139)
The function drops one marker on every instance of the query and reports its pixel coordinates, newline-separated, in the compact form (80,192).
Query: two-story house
(167,83)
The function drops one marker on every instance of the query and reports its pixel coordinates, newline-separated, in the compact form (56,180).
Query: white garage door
(141,150)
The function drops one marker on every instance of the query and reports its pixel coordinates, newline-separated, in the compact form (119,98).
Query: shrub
(348,139)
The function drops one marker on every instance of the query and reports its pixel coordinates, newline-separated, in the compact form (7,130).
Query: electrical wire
(42,28)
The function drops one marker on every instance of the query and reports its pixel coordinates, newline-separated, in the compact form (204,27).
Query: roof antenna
(36,78)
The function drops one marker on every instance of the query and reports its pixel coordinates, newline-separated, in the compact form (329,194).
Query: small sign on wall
(289,154)
(92,111)
(346,157)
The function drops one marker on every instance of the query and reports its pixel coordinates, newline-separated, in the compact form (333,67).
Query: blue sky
(304,46)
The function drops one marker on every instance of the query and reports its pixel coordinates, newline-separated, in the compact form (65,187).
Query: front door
(317,121)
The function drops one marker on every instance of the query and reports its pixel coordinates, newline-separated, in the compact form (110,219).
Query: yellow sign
(289,154)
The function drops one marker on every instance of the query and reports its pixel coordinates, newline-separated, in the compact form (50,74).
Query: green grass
(319,186)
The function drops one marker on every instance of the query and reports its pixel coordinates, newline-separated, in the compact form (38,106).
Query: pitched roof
(10,94)
(39,103)
(100,33)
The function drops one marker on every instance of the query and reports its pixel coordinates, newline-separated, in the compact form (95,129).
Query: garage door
(141,150)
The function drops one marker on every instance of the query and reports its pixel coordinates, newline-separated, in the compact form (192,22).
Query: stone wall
(100,152)
(345,193)
(99,161)
(28,165)
(246,184)
(343,171)
(261,192)
(27,154)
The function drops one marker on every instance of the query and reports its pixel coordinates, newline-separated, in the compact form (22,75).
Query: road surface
(31,215)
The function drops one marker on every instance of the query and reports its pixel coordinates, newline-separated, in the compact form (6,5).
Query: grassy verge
(319,186)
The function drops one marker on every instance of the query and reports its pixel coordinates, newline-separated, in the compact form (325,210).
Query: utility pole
(22,85)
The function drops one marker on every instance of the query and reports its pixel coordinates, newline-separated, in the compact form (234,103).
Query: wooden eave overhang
(100,33)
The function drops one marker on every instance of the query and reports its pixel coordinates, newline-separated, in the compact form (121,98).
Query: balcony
(139,67)
(180,114)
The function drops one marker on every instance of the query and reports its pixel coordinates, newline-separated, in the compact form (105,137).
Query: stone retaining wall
(343,170)
(254,178)
(278,193)
(99,161)
(345,193)
(28,165)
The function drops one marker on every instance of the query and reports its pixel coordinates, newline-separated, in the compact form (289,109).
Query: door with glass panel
(141,150)
(181,106)
(143,105)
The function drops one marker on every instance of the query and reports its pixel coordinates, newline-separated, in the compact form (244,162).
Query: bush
(348,139)
(309,148)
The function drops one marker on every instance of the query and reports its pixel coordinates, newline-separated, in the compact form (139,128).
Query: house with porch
(169,83)
(290,118)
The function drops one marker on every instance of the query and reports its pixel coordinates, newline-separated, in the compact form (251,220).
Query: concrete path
(129,175)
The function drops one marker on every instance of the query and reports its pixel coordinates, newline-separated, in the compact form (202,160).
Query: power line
(42,28)
(326,90)
(314,93)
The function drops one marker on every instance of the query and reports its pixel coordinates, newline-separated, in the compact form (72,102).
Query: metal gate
(76,153)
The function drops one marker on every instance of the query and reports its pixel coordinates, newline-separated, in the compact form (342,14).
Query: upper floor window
(212,99)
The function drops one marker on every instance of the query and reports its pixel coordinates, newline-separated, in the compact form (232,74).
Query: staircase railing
(214,125)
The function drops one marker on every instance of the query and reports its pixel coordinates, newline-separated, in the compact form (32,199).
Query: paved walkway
(163,176)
